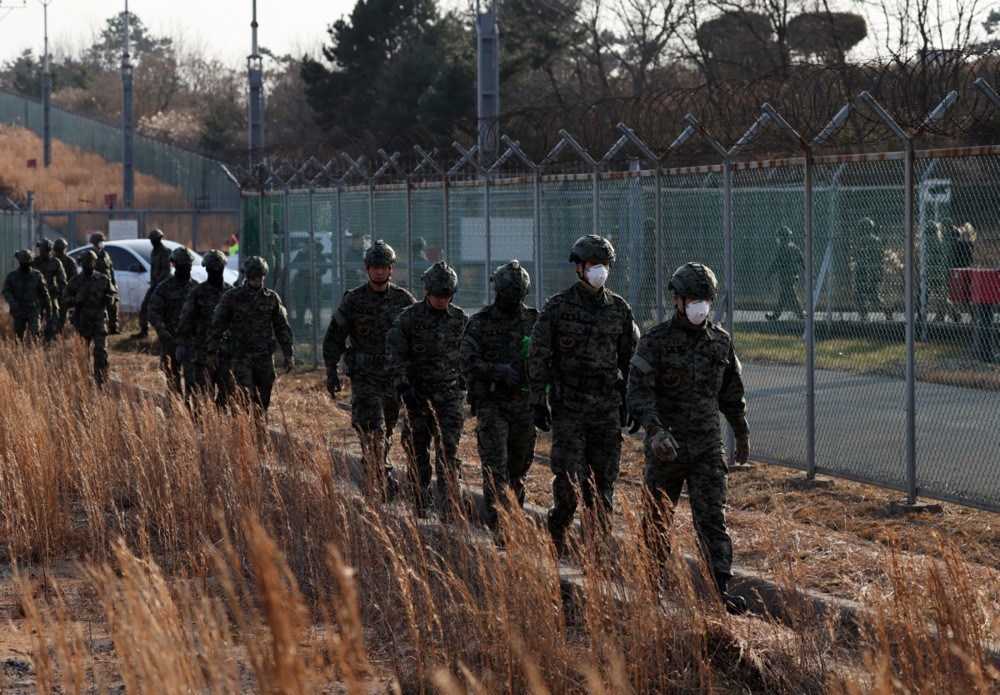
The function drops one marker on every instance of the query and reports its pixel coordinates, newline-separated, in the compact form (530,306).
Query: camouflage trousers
(787,299)
(706,482)
(144,309)
(254,374)
(374,412)
(100,344)
(27,324)
(171,366)
(198,378)
(586,454)
(437,420)
(505,439)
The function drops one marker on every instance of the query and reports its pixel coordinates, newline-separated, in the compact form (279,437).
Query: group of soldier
(578,369)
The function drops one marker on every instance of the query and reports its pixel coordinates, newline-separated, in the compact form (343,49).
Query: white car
(131,261)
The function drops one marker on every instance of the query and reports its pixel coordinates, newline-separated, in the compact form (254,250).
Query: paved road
(861,428)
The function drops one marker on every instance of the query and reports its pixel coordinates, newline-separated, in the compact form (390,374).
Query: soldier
(92,297)
(69,265)
(55,282)
(869,270)
(106,267)
(936,273)
(423,350)
(305,268)
(165,313)
(27,296)
(419,249)
(683,374)
(192,332)
(581,345)
(493,354)
(261,320)
(365,316)
(786,269)
(159,270)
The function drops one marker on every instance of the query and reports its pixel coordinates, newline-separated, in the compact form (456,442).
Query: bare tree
(924,27)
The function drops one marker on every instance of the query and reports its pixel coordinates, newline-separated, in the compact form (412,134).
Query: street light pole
(255,77)
(128,172)
(46,93)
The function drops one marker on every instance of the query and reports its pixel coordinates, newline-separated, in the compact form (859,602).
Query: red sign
(109,200)
(32,163)
(974,285)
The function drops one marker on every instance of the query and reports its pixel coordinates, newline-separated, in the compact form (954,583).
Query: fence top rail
(129,214)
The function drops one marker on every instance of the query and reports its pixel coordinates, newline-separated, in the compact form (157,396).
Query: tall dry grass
(223,558)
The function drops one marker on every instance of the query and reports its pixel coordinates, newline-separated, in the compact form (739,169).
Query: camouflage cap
(96,237)
(592,248)
(694,280)
(214,259)
(511,281)
(440,280)
(59,244)
(24,256)
(784,232)
(379,253)
(88,256)
(419,243)
(44,245)
(155,234)
(182,256)
(255,267)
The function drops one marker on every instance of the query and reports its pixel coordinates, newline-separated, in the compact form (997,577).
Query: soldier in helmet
(869,270)
(165,313)
(304,266)
(255,321)
(92,297)
(786,269)
(27,296)
(106,267)
(69,266)
(55,282)
(683,374)
(581,345)
(423,350)
(493,354)
(159,270)
(192,332)
(365,316)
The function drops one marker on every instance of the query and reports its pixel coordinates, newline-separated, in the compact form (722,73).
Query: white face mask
(597,275)
(697,311)
(100,244)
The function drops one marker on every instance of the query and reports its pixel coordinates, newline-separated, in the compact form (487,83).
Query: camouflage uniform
(262,324)
(92,297)
(27,295)
(55,282)
(70,268)
(423,351)
(365,316)
(192,333)
(302,283)
(107,268)
(159,270)
(786,269)
(493,355)
(582,345)
(869,270)
(165,313)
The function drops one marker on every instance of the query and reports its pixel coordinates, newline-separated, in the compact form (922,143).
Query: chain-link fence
(15,233)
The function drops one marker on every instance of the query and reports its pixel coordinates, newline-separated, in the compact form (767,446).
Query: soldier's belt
(584,382)
(362,357)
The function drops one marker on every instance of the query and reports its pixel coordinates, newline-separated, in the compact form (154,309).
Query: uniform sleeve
(221,319)
(44,299)
(8,291)
(627,342)
(641,392)
(186,322)
(335,341)
(156,310)
(282,330)
(732,401)
(540,355)
(111,270)
(68,294)
(60,279)
(471,357)
(397,349)
(110,297)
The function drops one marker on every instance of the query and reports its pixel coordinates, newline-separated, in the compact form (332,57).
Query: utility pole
(128,173)
(488,102)
(255,77)
(46,93)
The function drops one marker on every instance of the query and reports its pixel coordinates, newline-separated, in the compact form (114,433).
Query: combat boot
(735,605)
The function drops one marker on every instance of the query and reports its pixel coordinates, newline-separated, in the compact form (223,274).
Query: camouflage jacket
(27,294)
(105,266)
(423,347)
(788,260)
(682,378)
(493,339)
(92,297)
(582,345)
(69,266)
(260,318)
(365,316)
(196,315)
(159,265)
(166,303)
(55,275)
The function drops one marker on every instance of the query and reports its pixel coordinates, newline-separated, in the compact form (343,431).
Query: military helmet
(440,280)
(24,256)
(59,244)
(44,245)
(96,237)
(592,248)
(419,243)
(182,256)
(214,259)
(379,253)
(694,280)
(255,267)
(88,255)
(784,233)
(866,224)
(155,234)
(511,281)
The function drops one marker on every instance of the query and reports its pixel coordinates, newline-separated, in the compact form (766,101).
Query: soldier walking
(165,313)
(106,267)
(69,266)
(159,270)
(493,354)
(423,349)
(192,332)
(55,282)
(684,372)
(786,269)
(92,297)
(365,316)
(27,296)
(255,321)
(581,345)
(869,270)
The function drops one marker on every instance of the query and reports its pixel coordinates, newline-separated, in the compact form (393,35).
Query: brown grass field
(151,551)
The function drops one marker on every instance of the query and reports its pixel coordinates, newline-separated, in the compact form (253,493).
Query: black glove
(542,417)
(333,383)
(289,363)
(212,362)
(633,424)
(510,376)
(409,395)
(742,453)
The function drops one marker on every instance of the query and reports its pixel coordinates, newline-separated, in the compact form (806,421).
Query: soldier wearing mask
(581,345)
(493,354)
(55,282)
(159,270)
(193,327)
(92,297)
(684,372)
(106,267)
(70,268)
(27,296)
(165,313)
(365,316)
(786,269)
(423,351)
(255,321)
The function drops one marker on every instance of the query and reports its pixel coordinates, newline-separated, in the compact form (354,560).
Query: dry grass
(217,559)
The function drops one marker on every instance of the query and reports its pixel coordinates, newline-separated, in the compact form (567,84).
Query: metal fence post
(595,168)
(313,294)
(286,246)
(341,275)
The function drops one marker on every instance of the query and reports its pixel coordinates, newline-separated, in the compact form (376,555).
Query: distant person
(420,250)
(165,314)
(92,296)
(305,267)
(869,271)
(55,282)
(786,271)
(192,333)
(159,270)
(106,267)
(960,250)
(936,272)
(27,296)
(71,269)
